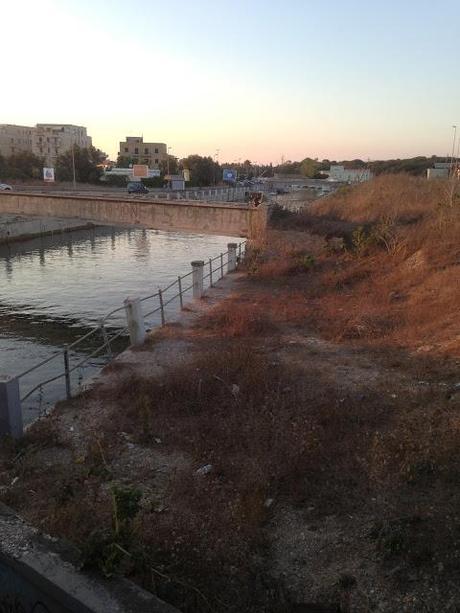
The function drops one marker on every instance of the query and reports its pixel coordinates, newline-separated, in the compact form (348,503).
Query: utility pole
(73,161)
(167,159)
(453,148)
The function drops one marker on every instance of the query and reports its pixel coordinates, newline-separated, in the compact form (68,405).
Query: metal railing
(109,329)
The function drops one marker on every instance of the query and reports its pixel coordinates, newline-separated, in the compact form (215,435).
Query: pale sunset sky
(255,79)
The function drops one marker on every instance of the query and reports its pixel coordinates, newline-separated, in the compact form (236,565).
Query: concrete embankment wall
(212,218)
(37,573)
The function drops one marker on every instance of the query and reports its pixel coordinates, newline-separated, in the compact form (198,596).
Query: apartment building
(139,152)
(51,139)
(15,139)
(46,140)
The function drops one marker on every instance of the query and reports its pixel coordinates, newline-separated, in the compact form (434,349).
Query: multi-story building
(46,140)
(15,139)
(52,139)
(139,152)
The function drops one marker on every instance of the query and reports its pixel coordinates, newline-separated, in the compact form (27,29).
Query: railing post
(221,265)
(210,272)
(197,267)
(135,320)
(10,408)
(162,308)
(68,388)
(231,256)
(181,300)
(105,338)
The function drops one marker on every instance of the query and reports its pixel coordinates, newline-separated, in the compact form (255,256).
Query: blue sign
(229,175)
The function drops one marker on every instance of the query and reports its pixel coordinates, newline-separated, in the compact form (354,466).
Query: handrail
(109,339)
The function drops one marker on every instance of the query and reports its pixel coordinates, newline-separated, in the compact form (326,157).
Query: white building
(46,140)
(349,175)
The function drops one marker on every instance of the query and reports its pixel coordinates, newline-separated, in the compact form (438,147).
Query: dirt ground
(344,498)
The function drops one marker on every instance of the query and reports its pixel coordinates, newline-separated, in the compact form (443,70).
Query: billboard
(186,174)
(154,172)
(48,175)
(229,175)
(140,171)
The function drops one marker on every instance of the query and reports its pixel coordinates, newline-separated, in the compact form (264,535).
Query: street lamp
(73,160)
(453,148)
(167,158)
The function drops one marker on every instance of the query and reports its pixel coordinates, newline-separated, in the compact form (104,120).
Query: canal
(56,289)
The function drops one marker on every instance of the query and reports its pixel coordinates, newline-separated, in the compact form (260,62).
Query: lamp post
(453,148)
(73,161)
(167,159)
(217,162)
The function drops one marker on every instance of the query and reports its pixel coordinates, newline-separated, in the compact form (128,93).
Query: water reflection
(55,288)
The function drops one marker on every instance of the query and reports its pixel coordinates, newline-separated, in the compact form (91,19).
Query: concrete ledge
(39,574)
(206,217)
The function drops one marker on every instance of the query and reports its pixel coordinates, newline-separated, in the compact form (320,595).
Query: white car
(4,187)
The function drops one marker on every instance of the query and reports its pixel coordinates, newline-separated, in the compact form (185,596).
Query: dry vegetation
(323,398)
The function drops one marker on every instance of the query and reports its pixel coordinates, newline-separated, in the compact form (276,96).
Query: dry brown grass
(398,283)
(398,197)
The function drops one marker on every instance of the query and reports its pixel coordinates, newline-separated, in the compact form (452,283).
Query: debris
(204,470)
(268,503)
(235,389)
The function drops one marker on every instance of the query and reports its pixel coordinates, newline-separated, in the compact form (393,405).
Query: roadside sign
(229,175)
(140,171)
(48,175)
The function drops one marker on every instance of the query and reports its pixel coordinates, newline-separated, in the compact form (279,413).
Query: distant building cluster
(440,170)
(349,175)
(138,152)
(46,140)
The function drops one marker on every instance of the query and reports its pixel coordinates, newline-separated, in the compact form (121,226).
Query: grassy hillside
(398,279)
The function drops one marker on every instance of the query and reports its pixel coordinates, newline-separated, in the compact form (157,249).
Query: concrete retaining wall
(210,218)
(37,576)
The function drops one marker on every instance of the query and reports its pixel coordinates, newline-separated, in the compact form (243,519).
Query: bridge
(231,219)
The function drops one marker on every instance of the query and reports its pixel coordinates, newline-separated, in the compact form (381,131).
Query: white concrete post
(231,256)
(10,408)
(197,267)
(135,320)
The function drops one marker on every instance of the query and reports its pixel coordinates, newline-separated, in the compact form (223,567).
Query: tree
(203,170)
(23,165)
(309,168)
(124,161)
(87,165)
(172,168)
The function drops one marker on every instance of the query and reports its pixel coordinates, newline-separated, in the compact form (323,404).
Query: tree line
(25,165)
(203,170)
(315,169)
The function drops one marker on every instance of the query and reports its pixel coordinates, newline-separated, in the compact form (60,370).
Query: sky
(244,79)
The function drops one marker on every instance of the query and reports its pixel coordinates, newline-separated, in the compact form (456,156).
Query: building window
(136,149)
(156,149)
(156,161)
(146,151)
(126,149)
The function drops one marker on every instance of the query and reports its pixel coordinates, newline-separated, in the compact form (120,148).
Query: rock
(204,470)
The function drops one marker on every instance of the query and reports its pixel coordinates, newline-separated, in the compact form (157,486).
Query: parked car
(136,187)
(4,187)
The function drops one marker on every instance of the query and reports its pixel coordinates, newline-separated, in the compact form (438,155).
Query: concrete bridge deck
(233,219)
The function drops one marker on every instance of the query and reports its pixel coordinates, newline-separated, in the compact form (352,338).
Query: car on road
(136,187)
(4,187)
